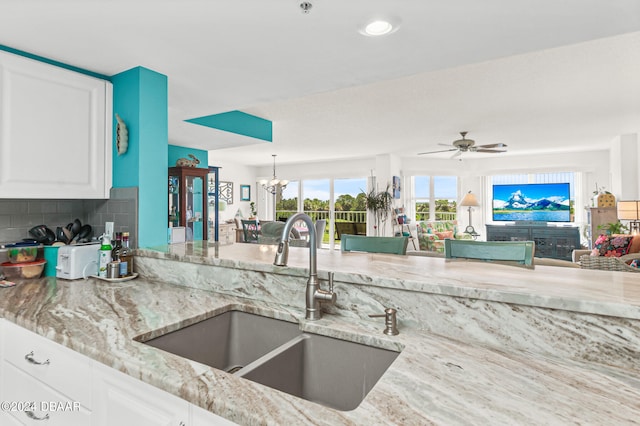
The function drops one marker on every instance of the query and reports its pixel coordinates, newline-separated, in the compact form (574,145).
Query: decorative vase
(606,200)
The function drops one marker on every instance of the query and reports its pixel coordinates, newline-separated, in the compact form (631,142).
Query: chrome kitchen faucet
(314,294)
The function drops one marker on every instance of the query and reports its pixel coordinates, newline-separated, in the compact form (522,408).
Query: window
(350,205)
(435,197)
(287,204)
(318,196)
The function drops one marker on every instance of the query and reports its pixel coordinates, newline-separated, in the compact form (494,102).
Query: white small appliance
(77,261)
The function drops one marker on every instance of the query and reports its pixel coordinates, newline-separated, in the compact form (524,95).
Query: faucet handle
(390,321)
(331,282)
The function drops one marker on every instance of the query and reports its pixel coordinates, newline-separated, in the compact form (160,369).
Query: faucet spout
(314,293)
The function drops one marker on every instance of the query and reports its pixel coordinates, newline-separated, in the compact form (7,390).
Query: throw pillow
(444,234)
(634,247)
(635,263)
(612,246)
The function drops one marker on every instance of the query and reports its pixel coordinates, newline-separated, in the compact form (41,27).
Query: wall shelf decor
(226,192)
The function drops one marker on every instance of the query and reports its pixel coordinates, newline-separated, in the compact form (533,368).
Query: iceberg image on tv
(544,202)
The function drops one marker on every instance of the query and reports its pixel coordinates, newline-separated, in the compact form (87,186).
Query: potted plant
(612,228)
(379,203)
(252,206)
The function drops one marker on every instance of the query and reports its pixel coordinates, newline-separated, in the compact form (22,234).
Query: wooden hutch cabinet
(188,201)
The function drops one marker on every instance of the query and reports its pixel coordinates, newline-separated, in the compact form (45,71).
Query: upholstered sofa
(431,234)
(620,252)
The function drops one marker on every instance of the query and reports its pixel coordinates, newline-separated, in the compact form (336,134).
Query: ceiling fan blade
(435,152)
(493,145)
(457,154)
(490,150)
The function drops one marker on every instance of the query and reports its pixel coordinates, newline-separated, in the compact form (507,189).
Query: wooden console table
(555,242)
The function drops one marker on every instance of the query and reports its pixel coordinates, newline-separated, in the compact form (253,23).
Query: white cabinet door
(55,131)
(123,400)
(59,367)
(32,402)
(55,379)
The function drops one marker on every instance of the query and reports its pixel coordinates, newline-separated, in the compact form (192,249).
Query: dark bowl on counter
(17,271)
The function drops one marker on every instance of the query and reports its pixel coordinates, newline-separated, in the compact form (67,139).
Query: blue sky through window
(319,188)
(291,191)
(444,187)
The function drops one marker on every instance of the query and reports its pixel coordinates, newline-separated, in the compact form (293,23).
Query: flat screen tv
(543,202)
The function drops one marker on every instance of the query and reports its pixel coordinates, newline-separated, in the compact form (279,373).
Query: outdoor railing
(439,216)
(358,216)
(341,216)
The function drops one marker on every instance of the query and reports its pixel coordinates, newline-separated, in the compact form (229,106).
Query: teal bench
(510,252)
(393,245)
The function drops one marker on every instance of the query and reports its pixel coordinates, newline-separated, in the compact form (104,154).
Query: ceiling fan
(469,145)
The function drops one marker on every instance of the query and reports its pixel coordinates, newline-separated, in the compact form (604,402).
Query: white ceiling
(539,75)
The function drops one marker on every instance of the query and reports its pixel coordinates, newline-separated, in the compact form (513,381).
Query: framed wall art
(396,187)
(225,191)
(245,192)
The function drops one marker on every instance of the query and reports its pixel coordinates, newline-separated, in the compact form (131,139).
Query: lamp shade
(629,210)
(469,200)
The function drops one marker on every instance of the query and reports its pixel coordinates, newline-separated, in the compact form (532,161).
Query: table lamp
(470,201)
(630,210)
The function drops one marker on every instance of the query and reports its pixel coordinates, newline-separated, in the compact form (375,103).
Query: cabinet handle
(33,416)
(29,357)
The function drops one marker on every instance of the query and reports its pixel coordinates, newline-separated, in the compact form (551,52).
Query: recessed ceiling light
(378,28)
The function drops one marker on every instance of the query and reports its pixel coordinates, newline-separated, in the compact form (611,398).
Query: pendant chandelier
(274,185)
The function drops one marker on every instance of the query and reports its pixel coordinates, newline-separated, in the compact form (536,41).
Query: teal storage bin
(51,256)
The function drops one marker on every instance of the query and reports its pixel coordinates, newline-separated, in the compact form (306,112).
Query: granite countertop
(434,380)
(579,290)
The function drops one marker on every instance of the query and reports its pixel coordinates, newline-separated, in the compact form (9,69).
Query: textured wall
(18,216)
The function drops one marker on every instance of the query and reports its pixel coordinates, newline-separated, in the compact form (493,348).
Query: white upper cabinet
(55,131)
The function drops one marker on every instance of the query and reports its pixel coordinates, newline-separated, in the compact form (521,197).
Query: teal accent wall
(176,152)
(140,98)
(238,122)
(126,103)
(52,62)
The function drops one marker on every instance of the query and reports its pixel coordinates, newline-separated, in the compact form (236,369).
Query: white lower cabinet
(123,400)
(42,380)
(34,402)
(47,383)
(8,420)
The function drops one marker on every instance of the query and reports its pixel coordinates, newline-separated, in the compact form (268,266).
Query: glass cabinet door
(195,208)
(188,201)
(174,201)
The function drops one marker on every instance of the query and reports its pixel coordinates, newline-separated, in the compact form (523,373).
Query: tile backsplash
(17,216)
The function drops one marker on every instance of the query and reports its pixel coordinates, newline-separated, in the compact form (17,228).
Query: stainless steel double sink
(332,372)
